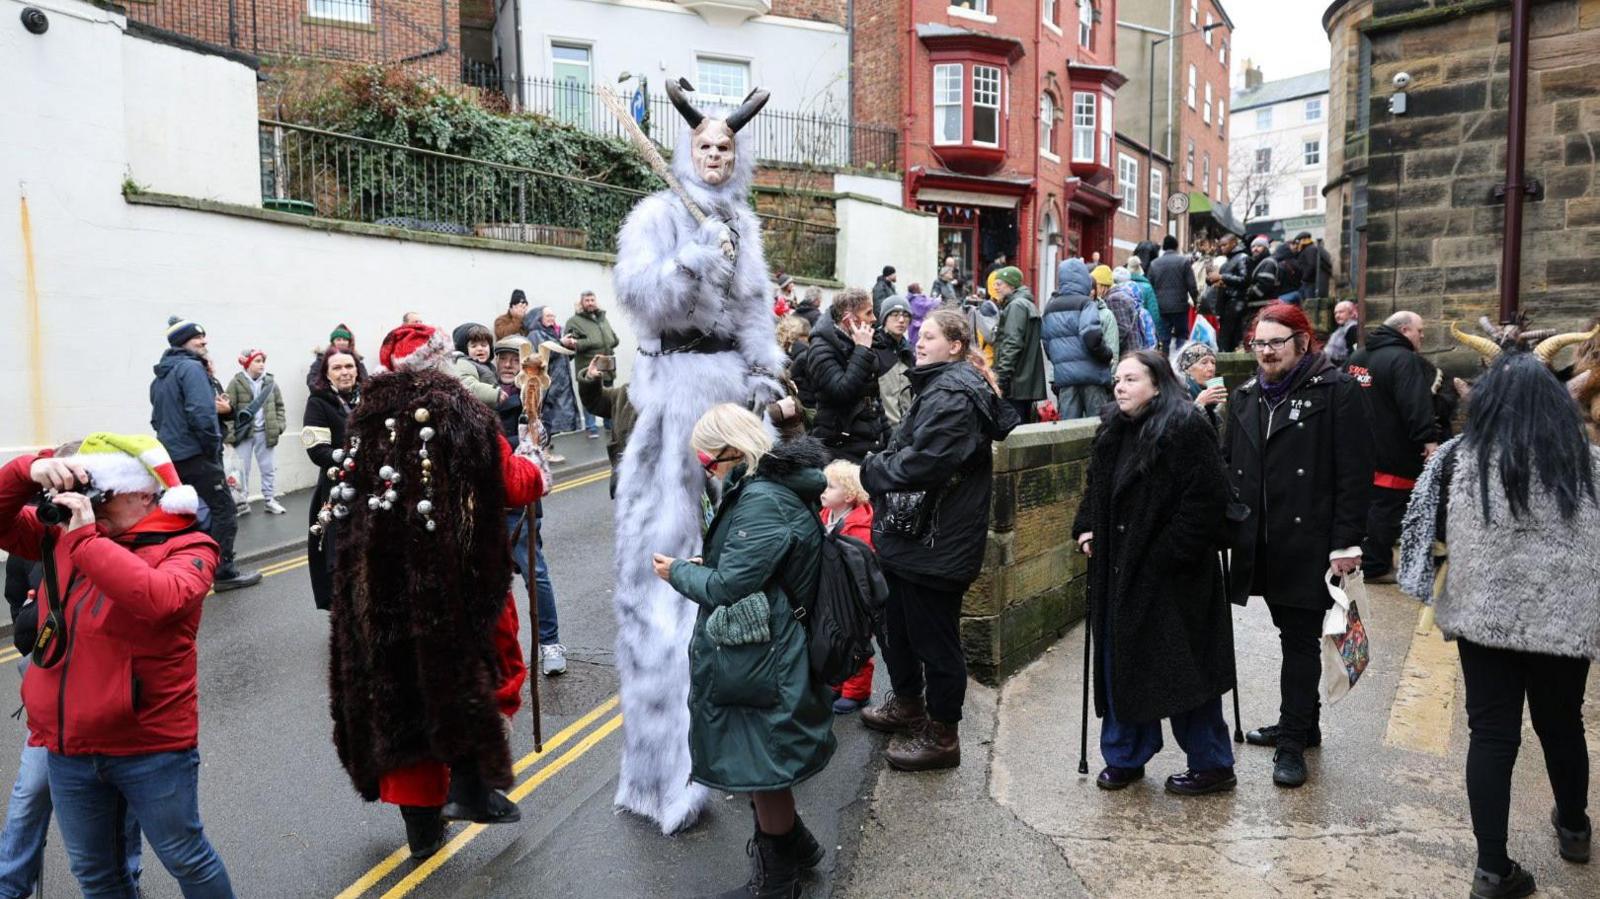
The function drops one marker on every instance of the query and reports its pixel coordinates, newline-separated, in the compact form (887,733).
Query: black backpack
(848,610)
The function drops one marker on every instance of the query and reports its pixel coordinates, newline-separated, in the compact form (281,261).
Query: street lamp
(1150,115)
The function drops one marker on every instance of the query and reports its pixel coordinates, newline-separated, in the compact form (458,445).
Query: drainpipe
(1516,186)
(907,105)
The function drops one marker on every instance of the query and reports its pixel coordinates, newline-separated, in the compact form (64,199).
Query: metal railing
(352,30)
(776,135)
(340,176)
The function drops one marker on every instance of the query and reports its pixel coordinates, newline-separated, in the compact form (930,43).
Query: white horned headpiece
(712,144)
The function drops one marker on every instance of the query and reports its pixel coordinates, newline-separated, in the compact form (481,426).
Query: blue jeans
(540,583)
(93,793)
(28,821)
(1201,733)
(1293,298)
(1171,326)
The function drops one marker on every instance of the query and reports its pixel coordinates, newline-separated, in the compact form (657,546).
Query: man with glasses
(1300,453)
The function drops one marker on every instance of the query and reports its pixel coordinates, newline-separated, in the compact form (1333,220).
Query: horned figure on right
(692,278)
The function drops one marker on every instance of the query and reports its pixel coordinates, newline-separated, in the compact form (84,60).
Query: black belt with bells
(692,342)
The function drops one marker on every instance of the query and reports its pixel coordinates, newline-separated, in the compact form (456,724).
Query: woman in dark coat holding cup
(1153,507)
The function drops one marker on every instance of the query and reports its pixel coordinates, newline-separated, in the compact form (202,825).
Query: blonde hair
(1135,265)
(731,426)
(790,329)
(847,476)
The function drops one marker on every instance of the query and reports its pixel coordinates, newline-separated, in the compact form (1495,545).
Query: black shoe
(771,875)
(1289,767)
(1514,885)
(494,809)
(229,577)
(425,830)
(1114,778)
(1268,736)
(1574,843)
(1199,783)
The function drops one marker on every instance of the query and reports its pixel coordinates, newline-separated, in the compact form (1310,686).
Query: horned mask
(713,143)
(1503,338)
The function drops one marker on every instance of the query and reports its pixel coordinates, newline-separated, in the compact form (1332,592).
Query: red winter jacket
(127,683)
(857,524)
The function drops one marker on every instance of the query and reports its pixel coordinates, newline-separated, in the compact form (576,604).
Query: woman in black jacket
(327,412)
(842,372)
(1153,507)
(930,490)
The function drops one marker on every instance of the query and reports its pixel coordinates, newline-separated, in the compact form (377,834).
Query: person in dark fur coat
(1153,507)
(425,664)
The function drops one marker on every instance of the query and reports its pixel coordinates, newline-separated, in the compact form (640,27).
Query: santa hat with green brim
(135,463)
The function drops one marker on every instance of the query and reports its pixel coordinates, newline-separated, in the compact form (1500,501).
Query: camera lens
(52,513)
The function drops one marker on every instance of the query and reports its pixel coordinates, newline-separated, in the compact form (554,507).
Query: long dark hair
(1169,408)
(1522,420)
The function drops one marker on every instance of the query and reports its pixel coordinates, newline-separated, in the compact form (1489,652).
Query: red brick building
(1005,109)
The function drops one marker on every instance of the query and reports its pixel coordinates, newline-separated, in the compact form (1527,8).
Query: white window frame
(978,10)
(1209,22)
(1222,193)
(1205,173)
(1048,10)
(1085,122)
(1263,163)
(1128,182)
(1311,151)
(959,103)
(1310,198)
(1157,200)
(1264,118)
(1222,116)
(1086,24)
(1262,209)
(1206,110)
(1188,163)
(357,11)
(702,92)
(1190,91)
(1047,126)
(1108,127)
(1194,12)
(1222,52)
(997,106)
(1314,103)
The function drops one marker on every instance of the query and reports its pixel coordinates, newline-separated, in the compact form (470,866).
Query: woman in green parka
(759,723)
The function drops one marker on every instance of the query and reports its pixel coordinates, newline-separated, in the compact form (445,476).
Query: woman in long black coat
(1150,522)
(327,413)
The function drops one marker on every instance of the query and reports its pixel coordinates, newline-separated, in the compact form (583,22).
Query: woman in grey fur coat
(1520,595)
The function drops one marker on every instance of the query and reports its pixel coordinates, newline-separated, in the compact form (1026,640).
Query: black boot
(229,577)
(471,799)
(798,845)
(772,876)
(425,829)
(1513,885)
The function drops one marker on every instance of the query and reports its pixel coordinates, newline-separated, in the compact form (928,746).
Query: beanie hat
(1193,353)
(1011,275)
(135,463)
(180,331)
(892,305)
(413,348)
(1120,275)
(248,356)
(341,330)
(1260,241)
(1102,276)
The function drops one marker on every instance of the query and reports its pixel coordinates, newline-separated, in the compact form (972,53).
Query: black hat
(517,296)
(180,331)
(1303,235)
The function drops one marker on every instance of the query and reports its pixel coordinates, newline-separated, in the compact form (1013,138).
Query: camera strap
(51,643)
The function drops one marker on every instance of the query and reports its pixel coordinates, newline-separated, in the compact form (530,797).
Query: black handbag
(907,513)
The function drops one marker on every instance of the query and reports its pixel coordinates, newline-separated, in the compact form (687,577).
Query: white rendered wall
(888,190)
(873,235)
(803,64)
(110,272)
(1286,138)
(190,123)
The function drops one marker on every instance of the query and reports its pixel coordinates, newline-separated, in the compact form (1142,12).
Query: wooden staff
(532,383)
(652,155)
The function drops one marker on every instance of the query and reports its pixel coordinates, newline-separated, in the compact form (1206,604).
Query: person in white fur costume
(706,336)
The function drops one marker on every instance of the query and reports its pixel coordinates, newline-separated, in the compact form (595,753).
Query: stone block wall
(1434,230)
(1032,585)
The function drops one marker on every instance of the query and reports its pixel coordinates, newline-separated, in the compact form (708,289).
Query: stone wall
(1434,230)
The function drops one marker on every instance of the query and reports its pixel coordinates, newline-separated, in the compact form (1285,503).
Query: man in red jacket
(112,693)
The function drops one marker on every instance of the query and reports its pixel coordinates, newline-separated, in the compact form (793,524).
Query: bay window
(986,105)
(948,108)
(1083,126)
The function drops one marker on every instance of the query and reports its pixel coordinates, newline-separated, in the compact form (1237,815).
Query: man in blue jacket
(183,411)
(1075,343)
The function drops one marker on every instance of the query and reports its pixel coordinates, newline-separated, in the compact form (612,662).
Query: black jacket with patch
(1398,384)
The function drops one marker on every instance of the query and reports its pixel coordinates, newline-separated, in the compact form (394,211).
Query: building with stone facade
(1415,200)
(1006,111)
(1188,119)
(1280,153)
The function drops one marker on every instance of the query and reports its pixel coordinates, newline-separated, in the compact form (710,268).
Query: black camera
(53,513)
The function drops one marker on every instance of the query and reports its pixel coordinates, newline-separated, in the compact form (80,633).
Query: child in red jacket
(846,509)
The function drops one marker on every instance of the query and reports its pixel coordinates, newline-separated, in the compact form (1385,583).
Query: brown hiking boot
(937,745)
(900,715)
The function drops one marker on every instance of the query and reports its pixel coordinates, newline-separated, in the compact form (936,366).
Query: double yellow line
(521,791)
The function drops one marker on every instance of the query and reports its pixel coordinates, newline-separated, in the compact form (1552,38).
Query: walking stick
(1083,735)
(533,619)
(533,380)
(1227,590)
